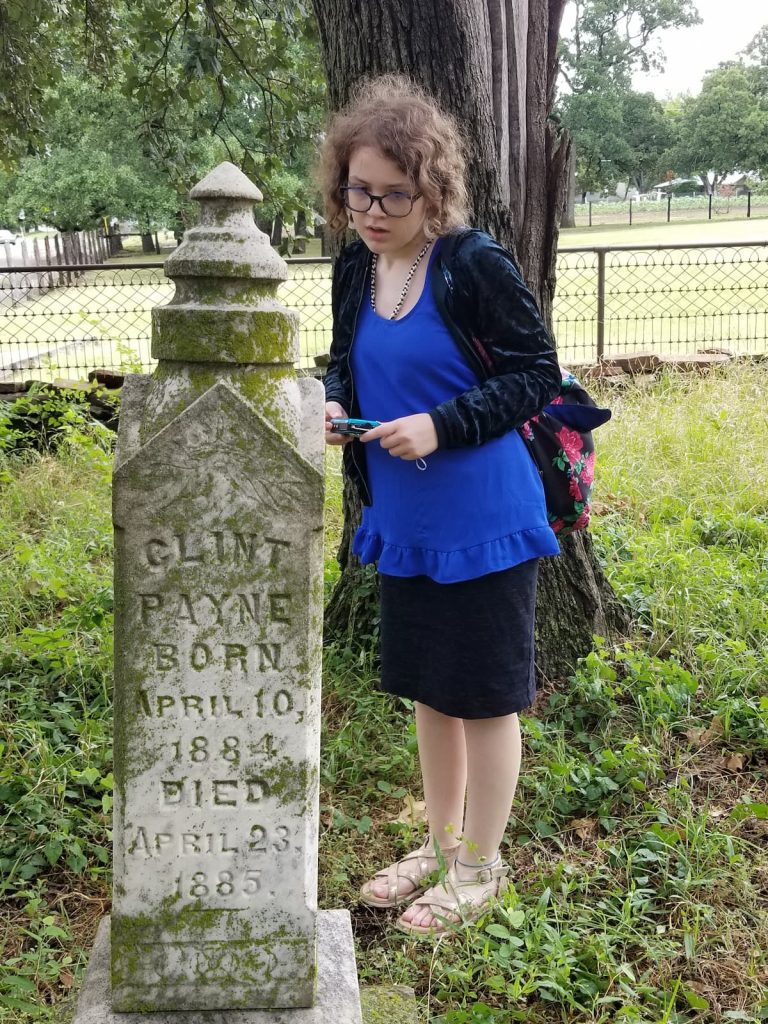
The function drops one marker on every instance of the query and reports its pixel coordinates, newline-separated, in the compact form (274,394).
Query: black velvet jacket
(495,322)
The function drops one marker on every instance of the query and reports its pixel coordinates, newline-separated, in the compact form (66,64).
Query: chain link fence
(610,300)
(669,210)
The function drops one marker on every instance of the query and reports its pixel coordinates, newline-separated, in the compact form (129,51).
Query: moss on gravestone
(388,1004)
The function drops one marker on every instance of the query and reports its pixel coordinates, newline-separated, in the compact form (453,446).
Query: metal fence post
(749,203)
(709,214)
(590,213)
(600,303)
(630,213)
(47,244)
(669,207)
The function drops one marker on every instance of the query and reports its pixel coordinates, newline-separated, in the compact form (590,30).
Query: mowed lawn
(677,301)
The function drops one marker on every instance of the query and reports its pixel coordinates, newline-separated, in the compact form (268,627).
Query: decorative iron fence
(675,299)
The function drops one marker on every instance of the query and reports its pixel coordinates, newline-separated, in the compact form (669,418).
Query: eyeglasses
(393,204)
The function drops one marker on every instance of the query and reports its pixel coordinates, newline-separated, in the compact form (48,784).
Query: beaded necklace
(406,286)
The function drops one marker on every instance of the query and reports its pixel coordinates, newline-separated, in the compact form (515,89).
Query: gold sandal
(415,868)
(448,898)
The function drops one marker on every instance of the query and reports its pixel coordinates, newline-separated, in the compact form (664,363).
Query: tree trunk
(353,606)
(264,224)
(277,231)
(492,64)
(569,213)
(300,233)
(115,240)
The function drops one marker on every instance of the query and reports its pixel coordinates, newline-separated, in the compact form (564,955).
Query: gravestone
(218,493)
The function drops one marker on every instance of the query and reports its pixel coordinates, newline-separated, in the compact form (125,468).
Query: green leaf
(53,850)
(695,1001)
(749,810)
(19,984)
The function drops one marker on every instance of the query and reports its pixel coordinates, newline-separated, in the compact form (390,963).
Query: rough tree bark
(569,213)
(492,64)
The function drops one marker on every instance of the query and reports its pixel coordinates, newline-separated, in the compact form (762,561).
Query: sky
(727,27)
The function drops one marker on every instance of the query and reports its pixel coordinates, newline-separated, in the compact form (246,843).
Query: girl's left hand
(410,437)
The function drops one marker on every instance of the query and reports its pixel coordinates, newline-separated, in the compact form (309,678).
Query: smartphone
(351,427)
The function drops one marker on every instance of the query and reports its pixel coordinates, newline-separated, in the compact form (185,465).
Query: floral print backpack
(560,441)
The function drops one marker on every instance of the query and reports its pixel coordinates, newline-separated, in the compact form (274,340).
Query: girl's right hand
(334,411)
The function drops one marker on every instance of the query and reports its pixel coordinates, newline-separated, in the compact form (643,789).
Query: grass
(686,233)
(55,720)
(669,303)
(638,838)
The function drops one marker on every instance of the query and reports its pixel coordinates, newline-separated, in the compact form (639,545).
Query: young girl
(436,336)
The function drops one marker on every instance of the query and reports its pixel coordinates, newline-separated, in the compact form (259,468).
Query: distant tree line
(115,110)
(621,135)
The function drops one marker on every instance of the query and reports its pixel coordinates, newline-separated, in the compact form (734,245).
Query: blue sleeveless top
(473,510)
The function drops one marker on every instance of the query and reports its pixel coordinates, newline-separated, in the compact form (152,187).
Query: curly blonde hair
(396,117)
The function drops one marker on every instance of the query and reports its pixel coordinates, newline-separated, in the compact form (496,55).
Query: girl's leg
(443,759)
(493,766)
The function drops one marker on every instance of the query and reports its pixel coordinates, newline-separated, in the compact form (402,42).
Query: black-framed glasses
(393,204)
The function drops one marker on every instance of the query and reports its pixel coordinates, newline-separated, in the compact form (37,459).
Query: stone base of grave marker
(338,996)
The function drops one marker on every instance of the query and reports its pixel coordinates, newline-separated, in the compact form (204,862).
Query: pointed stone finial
(226,182)
(226,242)
(224,321)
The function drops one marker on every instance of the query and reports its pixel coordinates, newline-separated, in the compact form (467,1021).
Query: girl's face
(370,170)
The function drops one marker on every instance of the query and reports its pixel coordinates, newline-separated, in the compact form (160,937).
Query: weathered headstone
(218,617)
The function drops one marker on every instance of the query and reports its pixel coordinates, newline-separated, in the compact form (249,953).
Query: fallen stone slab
(636,362)
(603,370)
(697,362)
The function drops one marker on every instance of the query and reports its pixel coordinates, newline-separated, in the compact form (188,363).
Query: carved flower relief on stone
(208,464)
